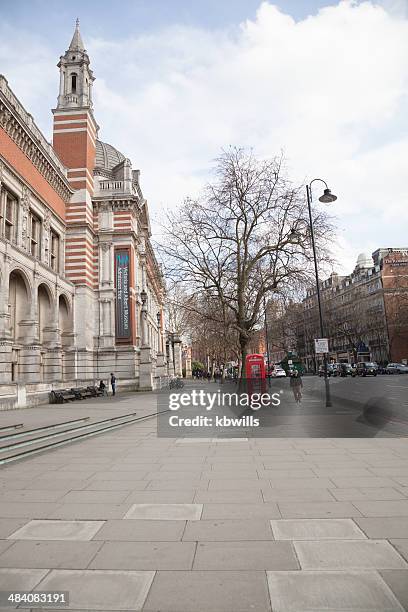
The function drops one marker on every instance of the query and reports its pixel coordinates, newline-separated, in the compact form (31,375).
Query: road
(361,407)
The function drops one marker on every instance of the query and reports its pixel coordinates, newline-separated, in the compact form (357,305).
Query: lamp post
(143,297)
(268,358)
(327,198)
(159,344)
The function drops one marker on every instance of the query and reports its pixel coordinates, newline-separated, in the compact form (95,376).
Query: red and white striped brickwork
(74,139)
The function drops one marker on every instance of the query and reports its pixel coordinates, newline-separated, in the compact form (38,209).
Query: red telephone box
(255,373)
(255,367)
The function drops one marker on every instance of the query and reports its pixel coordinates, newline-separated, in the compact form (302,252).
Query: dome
(107,157)
(364,261)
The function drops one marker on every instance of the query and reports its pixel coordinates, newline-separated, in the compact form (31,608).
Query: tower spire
(76,42)
(76,76)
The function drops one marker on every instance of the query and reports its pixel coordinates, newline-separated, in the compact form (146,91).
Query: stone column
(146,365)
(170,354)
(188,362)
(178,368)
(4,300)
(145,369)
(23,230)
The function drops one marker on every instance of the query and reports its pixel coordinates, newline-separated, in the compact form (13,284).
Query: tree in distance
(245,239)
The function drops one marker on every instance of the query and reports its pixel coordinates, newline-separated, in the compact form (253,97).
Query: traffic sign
(321,345)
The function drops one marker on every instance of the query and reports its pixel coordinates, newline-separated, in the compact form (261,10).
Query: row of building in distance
(365,315)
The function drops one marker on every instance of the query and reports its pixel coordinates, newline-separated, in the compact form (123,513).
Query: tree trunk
(243,342)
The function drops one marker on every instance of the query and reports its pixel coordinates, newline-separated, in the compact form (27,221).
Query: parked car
(396,368)
(367,368)
(382,369)
(278,372)
(330,370)
(347,369)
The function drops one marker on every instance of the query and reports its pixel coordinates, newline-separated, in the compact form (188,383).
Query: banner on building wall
(122,270)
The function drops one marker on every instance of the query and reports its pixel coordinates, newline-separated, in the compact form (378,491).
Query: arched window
(73,82)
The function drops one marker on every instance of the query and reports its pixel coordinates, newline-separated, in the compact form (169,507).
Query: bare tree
(244,239)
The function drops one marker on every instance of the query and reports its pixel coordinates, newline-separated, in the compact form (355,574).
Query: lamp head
(158,318)
(143,296)
(327,196)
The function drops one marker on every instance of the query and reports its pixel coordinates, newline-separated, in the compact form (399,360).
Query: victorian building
(81,292)
(365,312)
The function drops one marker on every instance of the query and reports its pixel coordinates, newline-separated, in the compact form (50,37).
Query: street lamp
(327,197)
(159,347)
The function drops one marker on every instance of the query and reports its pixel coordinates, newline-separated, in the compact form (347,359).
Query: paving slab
(145,556)
(176,485)
(286,473)
(119,475)
(401,546)
(397,580)
(245,556)
(318,510)
(4,545)
(297,495)
(330,592)
(349,472)
(40,554)
(9,525)
(240,511)
(209,591)
(137,531)
(228,529)
(95,497)
(89,511)
(187,476)
(27,510)
(55,475)
(224,497)
(57,530)
(161,497)
(100,590)
(346,555)
(316,529)
(301,483)
(165,512)
(366,482)
(65,484)
(116,485)
(20,579)
(24,495)
(383,508)
(402,480)
(237,484)
(384,527)
(366,494)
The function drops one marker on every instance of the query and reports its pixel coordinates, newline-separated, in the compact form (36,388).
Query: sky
(177,81)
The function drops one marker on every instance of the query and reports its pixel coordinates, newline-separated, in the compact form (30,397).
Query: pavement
(131,521)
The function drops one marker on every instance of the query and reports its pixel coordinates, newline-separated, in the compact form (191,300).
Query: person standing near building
(113,383)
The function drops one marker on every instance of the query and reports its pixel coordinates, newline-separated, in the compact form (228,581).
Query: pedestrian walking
(296,385)
(113,383)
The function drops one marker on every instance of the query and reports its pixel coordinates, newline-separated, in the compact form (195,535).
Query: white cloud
(330,90)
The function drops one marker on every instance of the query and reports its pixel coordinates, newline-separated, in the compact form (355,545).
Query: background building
(81,293)
(365,313)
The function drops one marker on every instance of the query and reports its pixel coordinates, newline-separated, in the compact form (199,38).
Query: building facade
(81,292)
(365,313)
